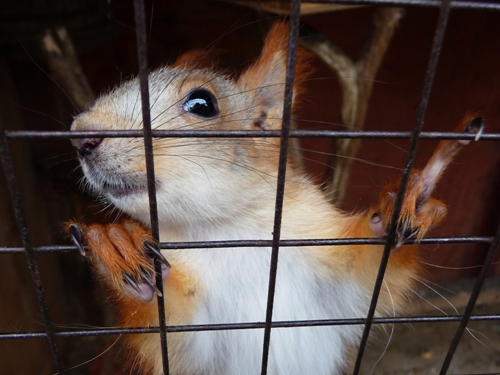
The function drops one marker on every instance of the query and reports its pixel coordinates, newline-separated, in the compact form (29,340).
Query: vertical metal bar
(141,35)
(280,189)
(14,191)
(426,91)
(490,256)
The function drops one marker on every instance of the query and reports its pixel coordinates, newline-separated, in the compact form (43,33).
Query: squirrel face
(195,178)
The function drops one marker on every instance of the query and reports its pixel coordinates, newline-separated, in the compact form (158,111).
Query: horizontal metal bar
(298,133)
(249,325)
(316,242)
(480,5)
(267,243)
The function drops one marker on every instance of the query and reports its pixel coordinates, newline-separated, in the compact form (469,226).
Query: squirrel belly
(312,283)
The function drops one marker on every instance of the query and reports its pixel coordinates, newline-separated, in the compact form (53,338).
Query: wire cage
(51,335)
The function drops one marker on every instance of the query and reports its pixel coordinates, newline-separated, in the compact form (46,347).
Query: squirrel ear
(264,80)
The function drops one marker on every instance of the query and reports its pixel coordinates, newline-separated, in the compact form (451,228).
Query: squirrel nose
(85,146)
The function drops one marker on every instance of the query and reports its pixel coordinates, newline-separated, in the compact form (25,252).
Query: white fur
(237,283)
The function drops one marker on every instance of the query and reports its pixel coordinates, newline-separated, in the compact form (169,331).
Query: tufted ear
(264,81)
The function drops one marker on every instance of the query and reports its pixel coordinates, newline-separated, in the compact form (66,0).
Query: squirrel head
(207,178)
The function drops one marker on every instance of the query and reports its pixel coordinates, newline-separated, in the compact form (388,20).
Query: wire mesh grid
(276,243)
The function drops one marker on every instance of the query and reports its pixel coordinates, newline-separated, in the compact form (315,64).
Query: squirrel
(224,189)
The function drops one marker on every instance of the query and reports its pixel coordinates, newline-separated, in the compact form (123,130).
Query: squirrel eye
(202,103)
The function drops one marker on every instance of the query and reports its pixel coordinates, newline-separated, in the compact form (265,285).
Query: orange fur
(180,293)
(268,69)
(118,248)
(196,59)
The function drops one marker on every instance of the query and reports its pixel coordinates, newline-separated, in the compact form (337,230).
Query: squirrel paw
(123,254)
(418,213)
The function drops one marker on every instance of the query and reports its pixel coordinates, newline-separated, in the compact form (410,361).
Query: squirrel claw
(148,280)
(130,281)
(124,254)
(78,238)
(404,233)
(152,248)
(400,234)
(474,125)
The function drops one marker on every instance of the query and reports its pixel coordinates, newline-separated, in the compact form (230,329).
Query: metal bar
(141,35)
(280,188)
(15,195)
(317,242)
(294,133)
(490,256)
(249,325)
(426,91)
(267,243)
(479,5)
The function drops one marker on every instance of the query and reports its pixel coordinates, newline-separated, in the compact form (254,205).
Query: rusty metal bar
(488,261)
(424,100)
(280,188)
(294,133)
(141,35)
